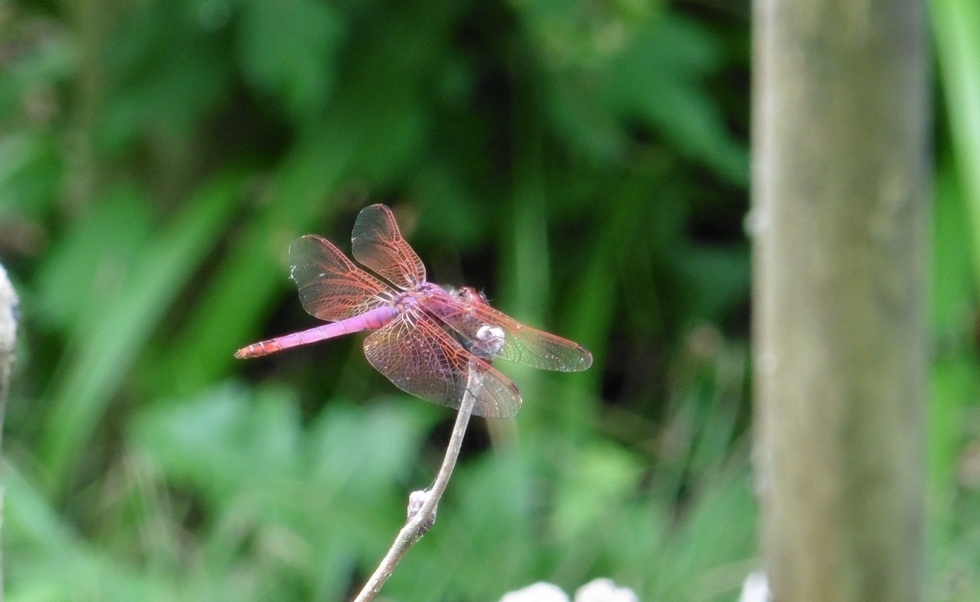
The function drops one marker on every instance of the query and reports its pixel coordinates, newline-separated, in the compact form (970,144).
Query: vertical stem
(8,341)
(840,176)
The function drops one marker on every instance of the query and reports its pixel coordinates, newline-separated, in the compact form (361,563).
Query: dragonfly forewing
(330,286)
(377,244)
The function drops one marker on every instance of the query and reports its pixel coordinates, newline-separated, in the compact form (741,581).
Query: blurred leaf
(288,50)
(324,493)
(659,80)
(593,298)
(167,72)
(955,381)
(600,480)
(220,440)
(29,170)
(955,385)
(254,270)
(580,33)
(87,268)
(954,290)
(451,214)
(28,516)
(711,282)
(712,551)
(48,562)
(654,79)
(36,67)
(589,125)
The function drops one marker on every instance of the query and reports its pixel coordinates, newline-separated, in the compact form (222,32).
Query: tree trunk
(840,178)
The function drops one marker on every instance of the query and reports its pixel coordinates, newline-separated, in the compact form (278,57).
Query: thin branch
(420,522)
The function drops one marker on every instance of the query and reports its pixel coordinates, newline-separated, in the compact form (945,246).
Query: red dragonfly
(427,337)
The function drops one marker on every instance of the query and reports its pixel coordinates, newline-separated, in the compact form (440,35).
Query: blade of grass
(55,563)
(956,24)
(252,273)
(953,298)
(109,348)
(526,271)
(593,302)
(31,516)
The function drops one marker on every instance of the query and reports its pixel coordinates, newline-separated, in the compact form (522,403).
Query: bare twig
(419,522)
(8,340)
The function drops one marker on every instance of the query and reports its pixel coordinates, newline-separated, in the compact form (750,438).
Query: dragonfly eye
(471,296)
(489,341)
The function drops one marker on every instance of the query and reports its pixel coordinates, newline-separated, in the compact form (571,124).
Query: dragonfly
(427,337)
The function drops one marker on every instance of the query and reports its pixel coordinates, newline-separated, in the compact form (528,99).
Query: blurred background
(584,163)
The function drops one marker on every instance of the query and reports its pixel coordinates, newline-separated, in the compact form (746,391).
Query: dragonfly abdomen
(369,320)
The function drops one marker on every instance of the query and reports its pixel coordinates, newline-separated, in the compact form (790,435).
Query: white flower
(604,590)
(539,592)
(755,588)
(599,590)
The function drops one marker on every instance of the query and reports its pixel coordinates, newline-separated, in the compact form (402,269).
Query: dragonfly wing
(378,244)
(521,343)
(330,286)
(419,357)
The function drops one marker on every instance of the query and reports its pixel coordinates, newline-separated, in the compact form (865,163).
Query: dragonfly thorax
(489,341)
(483,339)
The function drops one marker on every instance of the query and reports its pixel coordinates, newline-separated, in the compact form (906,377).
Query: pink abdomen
(375,318)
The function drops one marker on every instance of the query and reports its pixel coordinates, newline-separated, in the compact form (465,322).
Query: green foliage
(954,437)
(273,509)
(583,162)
